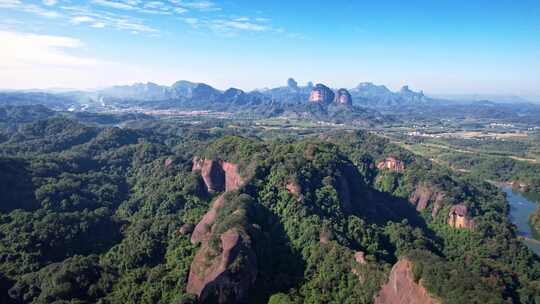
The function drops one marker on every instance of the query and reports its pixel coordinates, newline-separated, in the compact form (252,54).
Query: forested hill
(168,213)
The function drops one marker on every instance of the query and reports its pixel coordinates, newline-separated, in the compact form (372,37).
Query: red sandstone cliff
(391,163)
(202,230)
(402,289)
(321,94)
(218,176)
(458,217)
(224,274)
(425,195)
(226,277)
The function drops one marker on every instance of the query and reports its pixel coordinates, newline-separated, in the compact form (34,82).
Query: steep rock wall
(425,195)
(402,289)
(458,217)
(218,176)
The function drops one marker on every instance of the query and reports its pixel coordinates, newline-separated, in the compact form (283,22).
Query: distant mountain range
(369,94)
(490,97)
(366,94)
(367,102)
(200,95)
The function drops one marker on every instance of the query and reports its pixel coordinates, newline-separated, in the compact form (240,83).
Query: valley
(320,200)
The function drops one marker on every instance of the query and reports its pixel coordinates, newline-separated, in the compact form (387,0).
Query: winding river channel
(520,209)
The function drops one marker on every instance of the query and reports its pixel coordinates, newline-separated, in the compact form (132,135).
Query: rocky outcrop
(225,278)
(202,230)
(402,289)
(343,97)
(324,236)
(212,174)
(458,217)
(360,257)
(186,229)
(321,94)
(425,195)
(218,176)
(233,180)
(391,163)
(224,274)
(293,187)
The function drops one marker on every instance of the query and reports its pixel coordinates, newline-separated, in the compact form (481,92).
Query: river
(520,209)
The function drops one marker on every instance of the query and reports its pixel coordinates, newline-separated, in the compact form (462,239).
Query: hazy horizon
(448,47)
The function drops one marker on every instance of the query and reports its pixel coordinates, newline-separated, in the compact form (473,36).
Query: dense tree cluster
(94,214)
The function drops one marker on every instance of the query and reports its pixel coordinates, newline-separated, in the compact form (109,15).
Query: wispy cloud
(101,19)
(232,26)
(133,15)
(200,5)
(151,7)
(9,3)
(82,19)
(29,8)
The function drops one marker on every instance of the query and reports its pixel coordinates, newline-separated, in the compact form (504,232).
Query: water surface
(520,209)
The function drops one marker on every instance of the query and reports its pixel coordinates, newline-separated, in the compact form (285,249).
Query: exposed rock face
(321,94)
(424,195)
(324,236)
(402,289)
(212,174)
(293,188)
(359,257)
(218,176)
(186,229)
(233,181)
(391,163)
(219,277)
(203,230)
(220,280)
(458,217)
(343,97)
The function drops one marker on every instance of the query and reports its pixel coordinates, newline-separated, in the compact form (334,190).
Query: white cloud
(82,19)
(149,7)
(21,50)
(231,26)
(44,61)
(9,3)
(199,5)
(29,8)
(98,25)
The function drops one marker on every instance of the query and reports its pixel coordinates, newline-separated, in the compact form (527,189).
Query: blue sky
(440,46)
